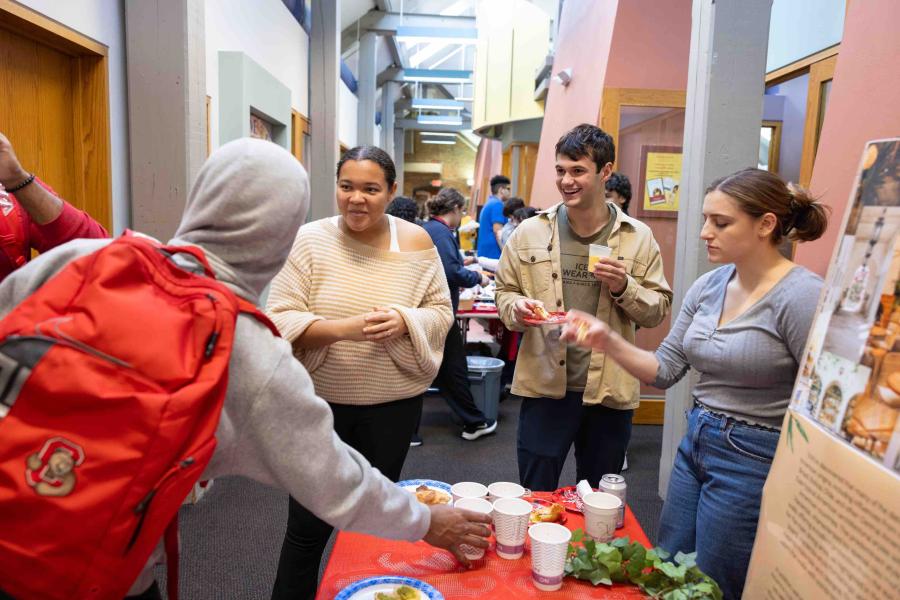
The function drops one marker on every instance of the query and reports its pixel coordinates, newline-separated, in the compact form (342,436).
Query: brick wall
(458,163)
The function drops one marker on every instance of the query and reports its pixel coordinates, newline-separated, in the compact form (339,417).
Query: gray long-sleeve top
(747,366)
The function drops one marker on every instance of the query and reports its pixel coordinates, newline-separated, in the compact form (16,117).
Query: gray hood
(245,208)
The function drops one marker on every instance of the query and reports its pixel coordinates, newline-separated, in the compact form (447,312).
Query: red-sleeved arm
(71,224)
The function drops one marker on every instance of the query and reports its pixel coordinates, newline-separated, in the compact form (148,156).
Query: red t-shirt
(19,234)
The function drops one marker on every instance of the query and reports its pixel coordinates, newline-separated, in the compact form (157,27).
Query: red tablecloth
(356,556)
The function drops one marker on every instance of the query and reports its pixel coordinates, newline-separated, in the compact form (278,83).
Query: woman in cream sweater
(364,301)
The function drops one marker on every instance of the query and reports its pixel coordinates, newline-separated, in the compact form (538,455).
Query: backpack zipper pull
(142,506)
(214,336)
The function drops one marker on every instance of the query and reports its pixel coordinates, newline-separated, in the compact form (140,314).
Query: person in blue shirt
(445,211)
(491,221)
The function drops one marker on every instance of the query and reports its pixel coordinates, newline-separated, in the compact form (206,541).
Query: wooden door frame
(819,73)
(615,98)
(90,115)
(651,411)
(299,127)
(774,144)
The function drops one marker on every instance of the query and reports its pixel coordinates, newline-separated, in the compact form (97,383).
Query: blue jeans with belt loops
(715,490)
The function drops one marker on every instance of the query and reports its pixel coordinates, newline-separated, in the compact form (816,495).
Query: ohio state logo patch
(51,470)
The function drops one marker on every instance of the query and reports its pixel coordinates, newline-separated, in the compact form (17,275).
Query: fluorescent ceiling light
(436,104)
(440,133)
(439,120)
(445,142)
(448,35)
(437,76)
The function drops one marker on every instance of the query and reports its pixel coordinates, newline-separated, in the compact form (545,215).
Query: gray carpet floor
(231,539)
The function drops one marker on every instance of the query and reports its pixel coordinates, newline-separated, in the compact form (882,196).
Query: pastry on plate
(427,495)
(547,514)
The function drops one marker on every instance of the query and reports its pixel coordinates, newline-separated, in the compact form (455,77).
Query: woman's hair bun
(809,217)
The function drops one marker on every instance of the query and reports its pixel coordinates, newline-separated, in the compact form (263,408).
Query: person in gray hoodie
(244,210)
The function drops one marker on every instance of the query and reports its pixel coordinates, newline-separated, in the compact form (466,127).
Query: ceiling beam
(414,124)
(386,23)
(393,47)
(389,74)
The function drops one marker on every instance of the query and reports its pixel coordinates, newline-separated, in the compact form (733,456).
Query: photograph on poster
(850,379)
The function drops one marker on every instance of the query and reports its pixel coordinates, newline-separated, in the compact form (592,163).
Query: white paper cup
(601,510)
(505,489)
(479,505)
(595,253)
(549,547)
(511,516)
(468,489)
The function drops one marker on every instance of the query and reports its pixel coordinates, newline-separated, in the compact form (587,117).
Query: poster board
(660,180)
(830,520)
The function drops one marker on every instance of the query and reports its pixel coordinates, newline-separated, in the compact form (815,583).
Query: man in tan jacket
(571,395)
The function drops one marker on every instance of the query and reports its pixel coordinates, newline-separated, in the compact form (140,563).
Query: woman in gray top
(743,327)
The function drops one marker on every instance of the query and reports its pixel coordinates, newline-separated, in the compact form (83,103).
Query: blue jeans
(712,506)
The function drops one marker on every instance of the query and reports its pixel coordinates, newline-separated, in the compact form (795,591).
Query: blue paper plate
(365,589)
(414,483)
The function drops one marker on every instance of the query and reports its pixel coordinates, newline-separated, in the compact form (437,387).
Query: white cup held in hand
(549,547)
(601,510)
(595,253)
(468,489)
(511,516)
(479,505)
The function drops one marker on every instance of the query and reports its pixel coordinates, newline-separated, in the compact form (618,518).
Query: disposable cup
(601,510)
(549,547)
(468,489)
(505,489)
(595,253)
(511,516)
(479,505)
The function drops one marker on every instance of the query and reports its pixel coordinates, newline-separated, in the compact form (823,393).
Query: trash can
(484,381)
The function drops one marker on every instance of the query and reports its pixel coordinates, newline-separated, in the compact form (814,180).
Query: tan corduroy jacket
(530,268)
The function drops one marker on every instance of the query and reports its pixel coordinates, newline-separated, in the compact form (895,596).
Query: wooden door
(55,107)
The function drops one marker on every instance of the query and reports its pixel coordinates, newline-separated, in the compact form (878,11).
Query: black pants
(453,380)
(547,429)
(381,433)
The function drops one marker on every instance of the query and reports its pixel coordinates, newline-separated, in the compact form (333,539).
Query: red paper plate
(556,318)
(569,498)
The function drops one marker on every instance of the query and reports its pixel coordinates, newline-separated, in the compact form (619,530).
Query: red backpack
(112,380)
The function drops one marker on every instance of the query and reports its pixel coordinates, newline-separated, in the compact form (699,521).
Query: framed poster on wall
(659,182)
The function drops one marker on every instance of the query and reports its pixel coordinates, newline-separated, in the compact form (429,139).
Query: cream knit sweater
(329,275)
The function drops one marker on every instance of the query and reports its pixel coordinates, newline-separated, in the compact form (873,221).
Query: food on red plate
(540,312)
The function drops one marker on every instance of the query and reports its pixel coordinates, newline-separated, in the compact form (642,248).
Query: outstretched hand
(451,527)
(585,330)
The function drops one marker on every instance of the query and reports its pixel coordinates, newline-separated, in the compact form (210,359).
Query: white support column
(399,156)
(166,65)
(324,77)
(368,74)
(726,82)
(389,94)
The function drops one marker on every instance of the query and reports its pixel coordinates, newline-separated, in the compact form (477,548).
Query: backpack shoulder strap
(247,307)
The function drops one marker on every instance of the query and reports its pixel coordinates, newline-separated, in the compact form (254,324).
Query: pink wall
(651,45)
(628,44)
(862,106)
(583,44)
(488,162)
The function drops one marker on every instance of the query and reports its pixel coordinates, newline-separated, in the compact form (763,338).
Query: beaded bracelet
(21,185)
